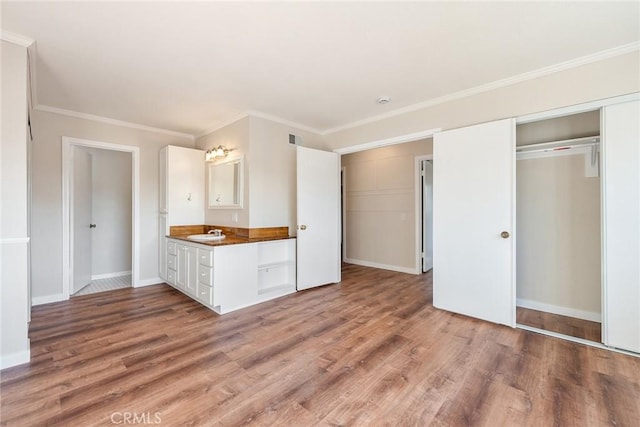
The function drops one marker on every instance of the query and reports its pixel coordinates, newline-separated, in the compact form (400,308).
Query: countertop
(229,240)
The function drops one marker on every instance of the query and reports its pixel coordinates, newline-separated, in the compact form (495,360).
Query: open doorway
(100,216)
(100,220)
(426,212)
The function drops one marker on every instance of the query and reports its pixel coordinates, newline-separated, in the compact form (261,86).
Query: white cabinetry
(230,277)
(276,266)
(181,198)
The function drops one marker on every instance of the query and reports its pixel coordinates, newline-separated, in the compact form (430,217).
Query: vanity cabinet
(229,277)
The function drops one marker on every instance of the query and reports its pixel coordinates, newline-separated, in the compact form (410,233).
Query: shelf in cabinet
(275,288)
(276,264)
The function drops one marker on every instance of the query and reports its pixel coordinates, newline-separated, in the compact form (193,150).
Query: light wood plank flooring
(561,324)
(369,351)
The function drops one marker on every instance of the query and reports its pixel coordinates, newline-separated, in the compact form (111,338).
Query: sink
(206,237)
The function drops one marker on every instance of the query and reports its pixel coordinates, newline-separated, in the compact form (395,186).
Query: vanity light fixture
(216,153)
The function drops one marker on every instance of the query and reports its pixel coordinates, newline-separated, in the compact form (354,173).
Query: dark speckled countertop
(230,240)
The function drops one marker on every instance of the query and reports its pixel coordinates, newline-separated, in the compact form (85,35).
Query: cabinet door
(473,208)
(182,272)
(191,283)
(185,185)
(621,226)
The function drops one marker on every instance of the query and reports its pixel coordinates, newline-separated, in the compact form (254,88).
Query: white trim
(15,359)
(530,75)
(286,122)
(418,206)
(149,282)
(15,38)
(222,123)
(382,266)
(67,264)
(604,296)
(14,240)
(110,275)
(557,309)
(576,109)
(47,299)
(107,120)
(343,198)
(575,340)
(388,141)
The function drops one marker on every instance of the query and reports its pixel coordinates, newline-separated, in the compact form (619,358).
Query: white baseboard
(148,282)
(48,299)
(382,266)
(110,275)
(556,309)
(14,359)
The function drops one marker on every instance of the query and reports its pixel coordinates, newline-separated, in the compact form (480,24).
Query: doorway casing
(68,144)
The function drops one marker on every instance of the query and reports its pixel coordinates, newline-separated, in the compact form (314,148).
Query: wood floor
(369,351)
(561,324)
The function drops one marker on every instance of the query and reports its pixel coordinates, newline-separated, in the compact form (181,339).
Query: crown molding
(15,38)
(107,120)
(282,121)
(530,75)
(223,123)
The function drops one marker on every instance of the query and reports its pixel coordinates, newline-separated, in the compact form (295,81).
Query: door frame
(418,209)
(68,143)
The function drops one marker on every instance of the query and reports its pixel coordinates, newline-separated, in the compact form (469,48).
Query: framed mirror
(226,184)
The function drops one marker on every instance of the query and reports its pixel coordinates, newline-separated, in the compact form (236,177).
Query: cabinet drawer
(205,294)
(171,262)
(206,257)
(171,277)
(171,247)
(204,274)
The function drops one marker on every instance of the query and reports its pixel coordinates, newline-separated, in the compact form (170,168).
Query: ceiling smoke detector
(383,100)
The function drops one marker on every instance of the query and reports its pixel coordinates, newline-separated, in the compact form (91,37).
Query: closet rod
(559,145)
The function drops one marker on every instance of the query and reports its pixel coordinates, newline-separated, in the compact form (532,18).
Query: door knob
(92,226)
(303,227)
(504,234)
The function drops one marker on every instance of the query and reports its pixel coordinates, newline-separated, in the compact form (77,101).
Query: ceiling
(192,66)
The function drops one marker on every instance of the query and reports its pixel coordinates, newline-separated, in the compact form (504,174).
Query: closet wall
(558,223)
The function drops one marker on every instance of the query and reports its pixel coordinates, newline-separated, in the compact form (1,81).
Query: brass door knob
(303,227)
(504,234)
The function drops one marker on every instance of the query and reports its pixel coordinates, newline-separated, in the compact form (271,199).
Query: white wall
(14,230)
(380,205)
(111,211)
(48,129)
(273,172)
(603,79)
(269,171)
(558,236)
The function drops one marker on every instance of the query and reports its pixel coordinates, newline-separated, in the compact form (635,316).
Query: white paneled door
(473,221)
(81,218)
(318,200)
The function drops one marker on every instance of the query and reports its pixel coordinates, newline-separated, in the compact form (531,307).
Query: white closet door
(473,204)
(621,225)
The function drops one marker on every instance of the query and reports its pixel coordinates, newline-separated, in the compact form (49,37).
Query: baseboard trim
(15,359)
(148,282)
(47,299)
(556,309)
(110,275)
(382,266)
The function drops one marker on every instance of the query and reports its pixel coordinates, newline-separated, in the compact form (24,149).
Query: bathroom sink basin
(206,237)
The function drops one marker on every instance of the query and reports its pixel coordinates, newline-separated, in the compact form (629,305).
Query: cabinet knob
(504,234)
(303,227)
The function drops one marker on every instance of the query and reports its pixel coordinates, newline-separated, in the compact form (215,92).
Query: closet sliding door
(473,221)
(621,225)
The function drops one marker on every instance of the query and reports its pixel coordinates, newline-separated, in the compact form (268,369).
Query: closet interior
(558,246)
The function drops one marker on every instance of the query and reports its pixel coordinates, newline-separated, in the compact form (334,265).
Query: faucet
(216,232)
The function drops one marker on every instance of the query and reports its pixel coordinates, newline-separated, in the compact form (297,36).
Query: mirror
(225,184)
